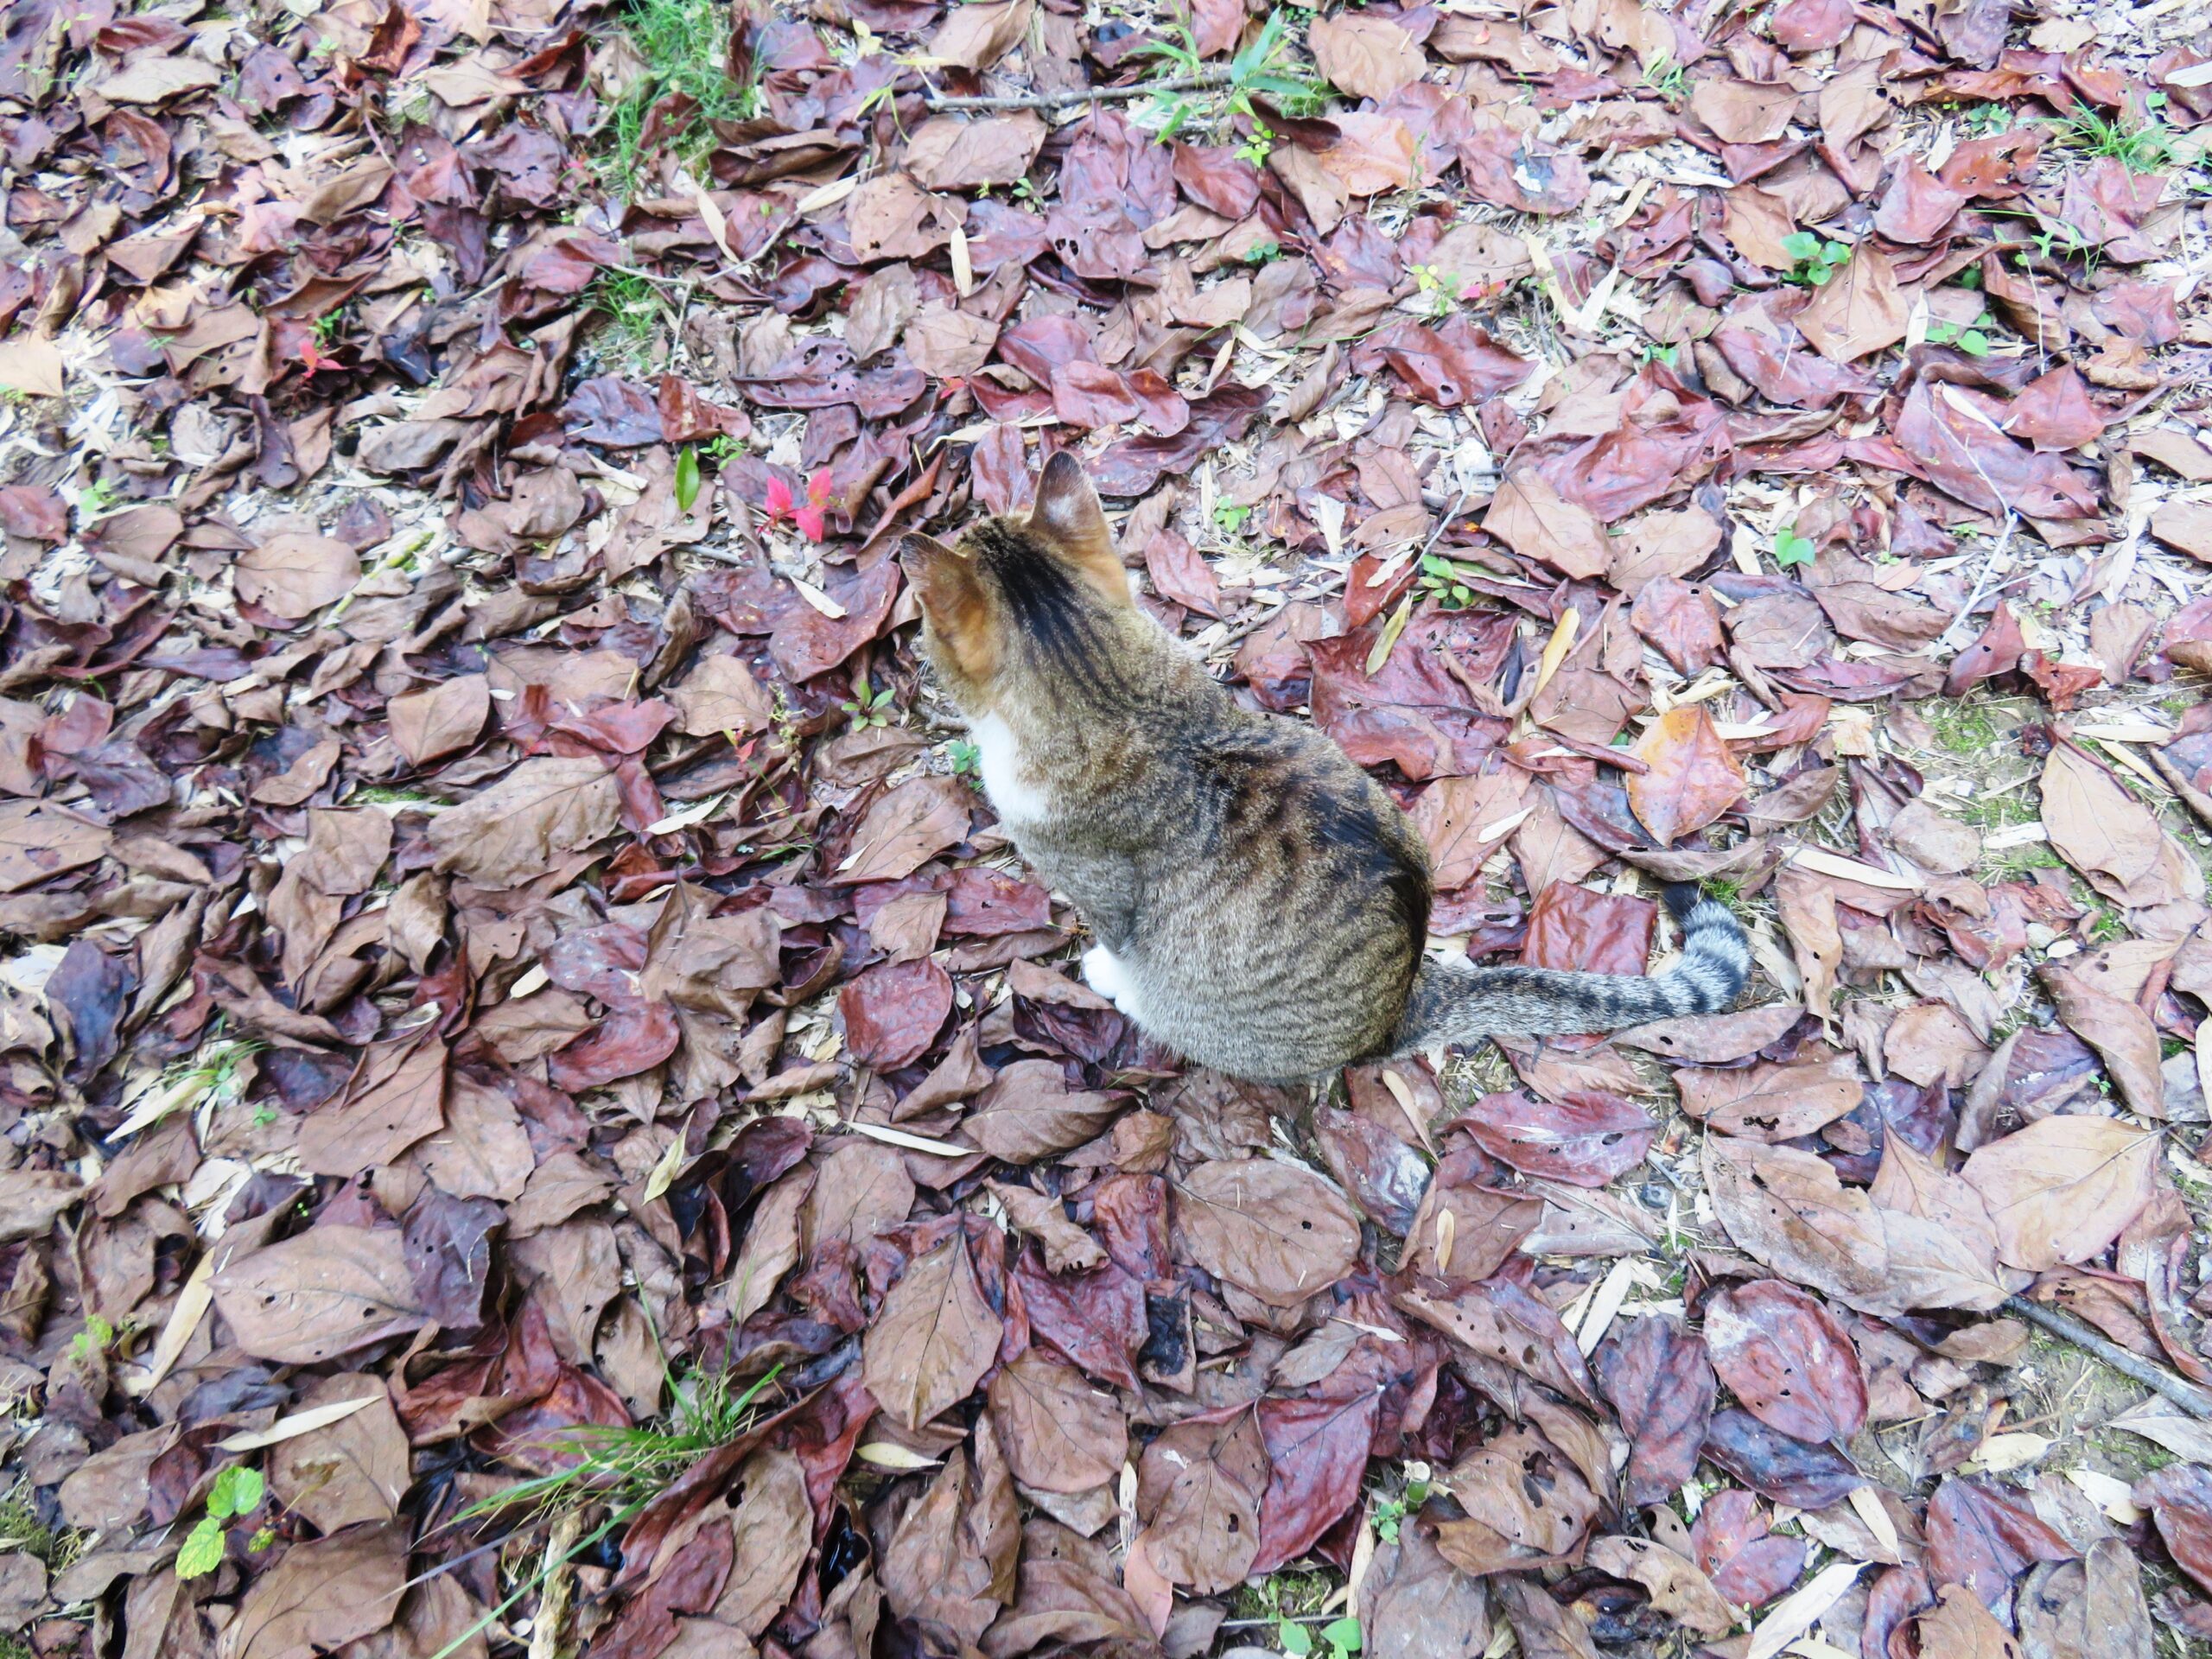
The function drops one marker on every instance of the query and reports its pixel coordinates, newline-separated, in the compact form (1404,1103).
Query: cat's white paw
(1103,973)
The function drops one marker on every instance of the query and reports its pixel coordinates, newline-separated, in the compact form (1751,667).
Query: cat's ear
(1068,520)
(955,601)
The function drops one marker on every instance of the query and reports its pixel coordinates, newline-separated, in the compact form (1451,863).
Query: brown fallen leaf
(1786,1360)
(1677,1586)
(1365,56)
(1275,1229)
(2061,1190)
(1771,1102)
(1415,1604)
(1061,1432)
(2103,830)
(1858,310)
(2090,1609)
(2118,1029)
(321,1595)
(318,1295)
(397,1098)
(514,831)
(934,1338)
(1713,1039)
(354,1471)
(294,575)
(1198,1489)
(2186,526)
(1961,1625)
(1531,517)
(1743,112)
(431,724)
(1692,777)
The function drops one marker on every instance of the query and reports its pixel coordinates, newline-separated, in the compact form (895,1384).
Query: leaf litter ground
(541,1114)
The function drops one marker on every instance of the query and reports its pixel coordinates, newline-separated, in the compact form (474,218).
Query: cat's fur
(1260,903)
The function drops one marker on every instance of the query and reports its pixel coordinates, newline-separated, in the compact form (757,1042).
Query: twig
(2196,1401)
(1081,95)
(1964,620)
(1269,612)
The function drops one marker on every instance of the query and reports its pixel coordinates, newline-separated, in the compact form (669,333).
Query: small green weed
(236,1493)
(1970,727)
(1790,548)
(687,478)
(1724,890)
(2105,926)
(97,1338)
(1990,811)
(2055,240)
(967,759)
(634,310)
(869,707)
(1817,260)
(21,1528)
(1671,80)
(1446,582)
(1258,146)
(684,45)
(2139,146)
(210,1080)
(1230,519)
(1971,338)
(1342,1637)
(1390,1511)
(95,499)
(621,1469)
(1987,120)
(1436,289)
(1262,68)
(1263,254)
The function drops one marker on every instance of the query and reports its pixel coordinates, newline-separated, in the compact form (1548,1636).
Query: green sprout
(1971,338)
(1817,260)
(1790,548)
(1446,582)
(236,1494)
(869,707)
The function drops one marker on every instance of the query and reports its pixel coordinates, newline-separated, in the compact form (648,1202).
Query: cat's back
(1289,895)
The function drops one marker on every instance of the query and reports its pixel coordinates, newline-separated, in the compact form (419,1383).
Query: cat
(1260,903)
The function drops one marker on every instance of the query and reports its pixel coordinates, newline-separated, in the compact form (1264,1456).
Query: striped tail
(1455,1005)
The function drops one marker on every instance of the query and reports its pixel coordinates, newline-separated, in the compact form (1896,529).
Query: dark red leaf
(1776,1466)
(1785,1358)
(893,1012)
(1586,1139)
(1318,1452)
(1656,1377)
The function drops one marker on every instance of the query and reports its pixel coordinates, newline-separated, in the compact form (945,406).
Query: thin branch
(1082,95)
(2196,1400)
(1965,618)
(1252,624)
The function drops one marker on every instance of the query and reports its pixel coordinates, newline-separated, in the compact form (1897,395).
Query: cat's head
(1021,602)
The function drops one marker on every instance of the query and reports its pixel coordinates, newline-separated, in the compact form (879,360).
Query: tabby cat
(1260,903)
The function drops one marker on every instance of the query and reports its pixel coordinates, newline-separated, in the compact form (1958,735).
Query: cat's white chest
(999,762)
